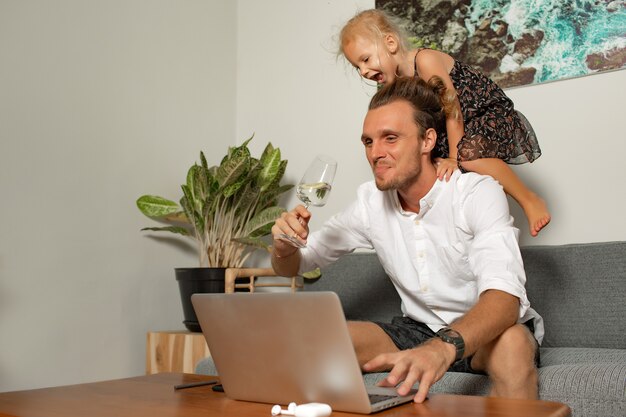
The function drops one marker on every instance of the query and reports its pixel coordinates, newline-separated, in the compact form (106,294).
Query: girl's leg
(534,207)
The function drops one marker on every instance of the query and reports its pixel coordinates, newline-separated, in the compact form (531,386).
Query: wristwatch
(453,337)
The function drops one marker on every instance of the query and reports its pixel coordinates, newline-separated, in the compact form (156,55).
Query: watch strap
(453,337)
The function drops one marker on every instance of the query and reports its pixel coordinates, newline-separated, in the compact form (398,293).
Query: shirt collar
(425,203)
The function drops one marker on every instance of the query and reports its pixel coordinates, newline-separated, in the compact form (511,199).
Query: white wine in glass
(314,188)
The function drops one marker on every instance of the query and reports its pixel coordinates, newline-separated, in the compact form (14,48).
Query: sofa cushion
(578,289)
(451,383)
(564,355)
(589,389)
(365,290)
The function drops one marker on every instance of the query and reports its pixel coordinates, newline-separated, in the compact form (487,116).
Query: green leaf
(270,170)
(316,273)
(269,197)
(202,184)
(213,185)
(238,151)
(190,176)
(172,229)
(279,174)
(194,217)
(261,224)
(189,198)
(179,217)
(245,143)
(203,161)
(269,148)
(230,171)
(195,187)
(197,183)
(255,168)
(155,206)
(246,199)
(234,187)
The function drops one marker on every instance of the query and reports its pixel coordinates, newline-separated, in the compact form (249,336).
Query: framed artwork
(520,42)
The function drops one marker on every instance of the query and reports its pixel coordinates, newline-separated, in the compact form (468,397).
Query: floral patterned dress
(493,128)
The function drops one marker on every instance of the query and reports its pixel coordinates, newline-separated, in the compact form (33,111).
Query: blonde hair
(373,24)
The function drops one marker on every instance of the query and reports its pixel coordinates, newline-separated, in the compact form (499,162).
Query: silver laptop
(279,348)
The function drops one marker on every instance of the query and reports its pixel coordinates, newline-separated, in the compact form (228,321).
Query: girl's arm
(455,130)
(429,63)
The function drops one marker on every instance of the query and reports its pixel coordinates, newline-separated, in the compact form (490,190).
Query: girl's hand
(445,167)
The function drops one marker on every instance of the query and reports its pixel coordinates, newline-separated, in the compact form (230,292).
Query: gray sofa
(579,289)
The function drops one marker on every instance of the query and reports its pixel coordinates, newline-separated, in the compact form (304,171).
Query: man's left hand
(425,364)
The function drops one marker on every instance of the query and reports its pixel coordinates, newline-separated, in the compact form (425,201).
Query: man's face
(392,145)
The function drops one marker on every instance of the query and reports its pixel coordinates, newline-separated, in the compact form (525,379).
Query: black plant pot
(197,280)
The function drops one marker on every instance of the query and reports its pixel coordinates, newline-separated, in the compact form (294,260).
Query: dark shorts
(407,333)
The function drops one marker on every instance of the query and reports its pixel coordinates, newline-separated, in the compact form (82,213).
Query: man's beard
(400,182)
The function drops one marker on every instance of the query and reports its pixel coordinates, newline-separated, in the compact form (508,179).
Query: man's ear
(429,141)
(391,43)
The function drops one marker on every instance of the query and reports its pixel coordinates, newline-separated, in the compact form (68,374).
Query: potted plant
(227,209)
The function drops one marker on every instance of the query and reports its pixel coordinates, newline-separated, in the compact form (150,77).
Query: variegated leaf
(269,197)
(271,168)
(192,215)
(261,224)
(203,161)
(155,206)
(269,148)
(171,229)
(231,170)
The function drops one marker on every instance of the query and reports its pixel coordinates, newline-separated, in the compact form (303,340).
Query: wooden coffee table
(154,396)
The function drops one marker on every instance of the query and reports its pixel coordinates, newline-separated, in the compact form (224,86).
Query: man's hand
(294,223)
(425,364)
(445,167)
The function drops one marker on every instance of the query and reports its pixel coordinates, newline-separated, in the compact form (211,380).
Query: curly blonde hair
(372,24)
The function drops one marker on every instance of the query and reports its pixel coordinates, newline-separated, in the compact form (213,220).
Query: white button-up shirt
(460,244)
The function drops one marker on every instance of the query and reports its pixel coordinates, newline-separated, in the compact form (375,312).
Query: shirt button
(417,222)
(420,255)
(424,288)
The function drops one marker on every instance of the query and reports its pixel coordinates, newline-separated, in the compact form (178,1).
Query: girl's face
(375,61)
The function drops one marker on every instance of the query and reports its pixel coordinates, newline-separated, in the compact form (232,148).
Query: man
(449,247)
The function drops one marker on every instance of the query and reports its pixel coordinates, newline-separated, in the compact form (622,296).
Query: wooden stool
(253,273)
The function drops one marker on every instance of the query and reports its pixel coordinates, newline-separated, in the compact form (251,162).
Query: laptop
(278,348)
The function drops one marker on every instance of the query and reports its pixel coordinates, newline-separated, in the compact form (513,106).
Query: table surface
(154,396)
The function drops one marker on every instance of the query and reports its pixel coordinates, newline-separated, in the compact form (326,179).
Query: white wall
(580,127)
(100,102)
(291,89)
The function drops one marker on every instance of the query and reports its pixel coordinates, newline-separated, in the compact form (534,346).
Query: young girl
(483,135)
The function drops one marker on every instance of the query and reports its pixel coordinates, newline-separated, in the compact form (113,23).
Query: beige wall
(101,102)
(308,103)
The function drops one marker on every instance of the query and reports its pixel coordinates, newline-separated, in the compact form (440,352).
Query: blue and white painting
(520,42)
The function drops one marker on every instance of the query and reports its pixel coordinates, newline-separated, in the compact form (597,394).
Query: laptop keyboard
(374,399)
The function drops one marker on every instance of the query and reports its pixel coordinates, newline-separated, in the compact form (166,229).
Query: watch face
(453,337)
(452,333)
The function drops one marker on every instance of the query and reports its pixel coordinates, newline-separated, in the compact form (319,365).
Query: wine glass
(314,187)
